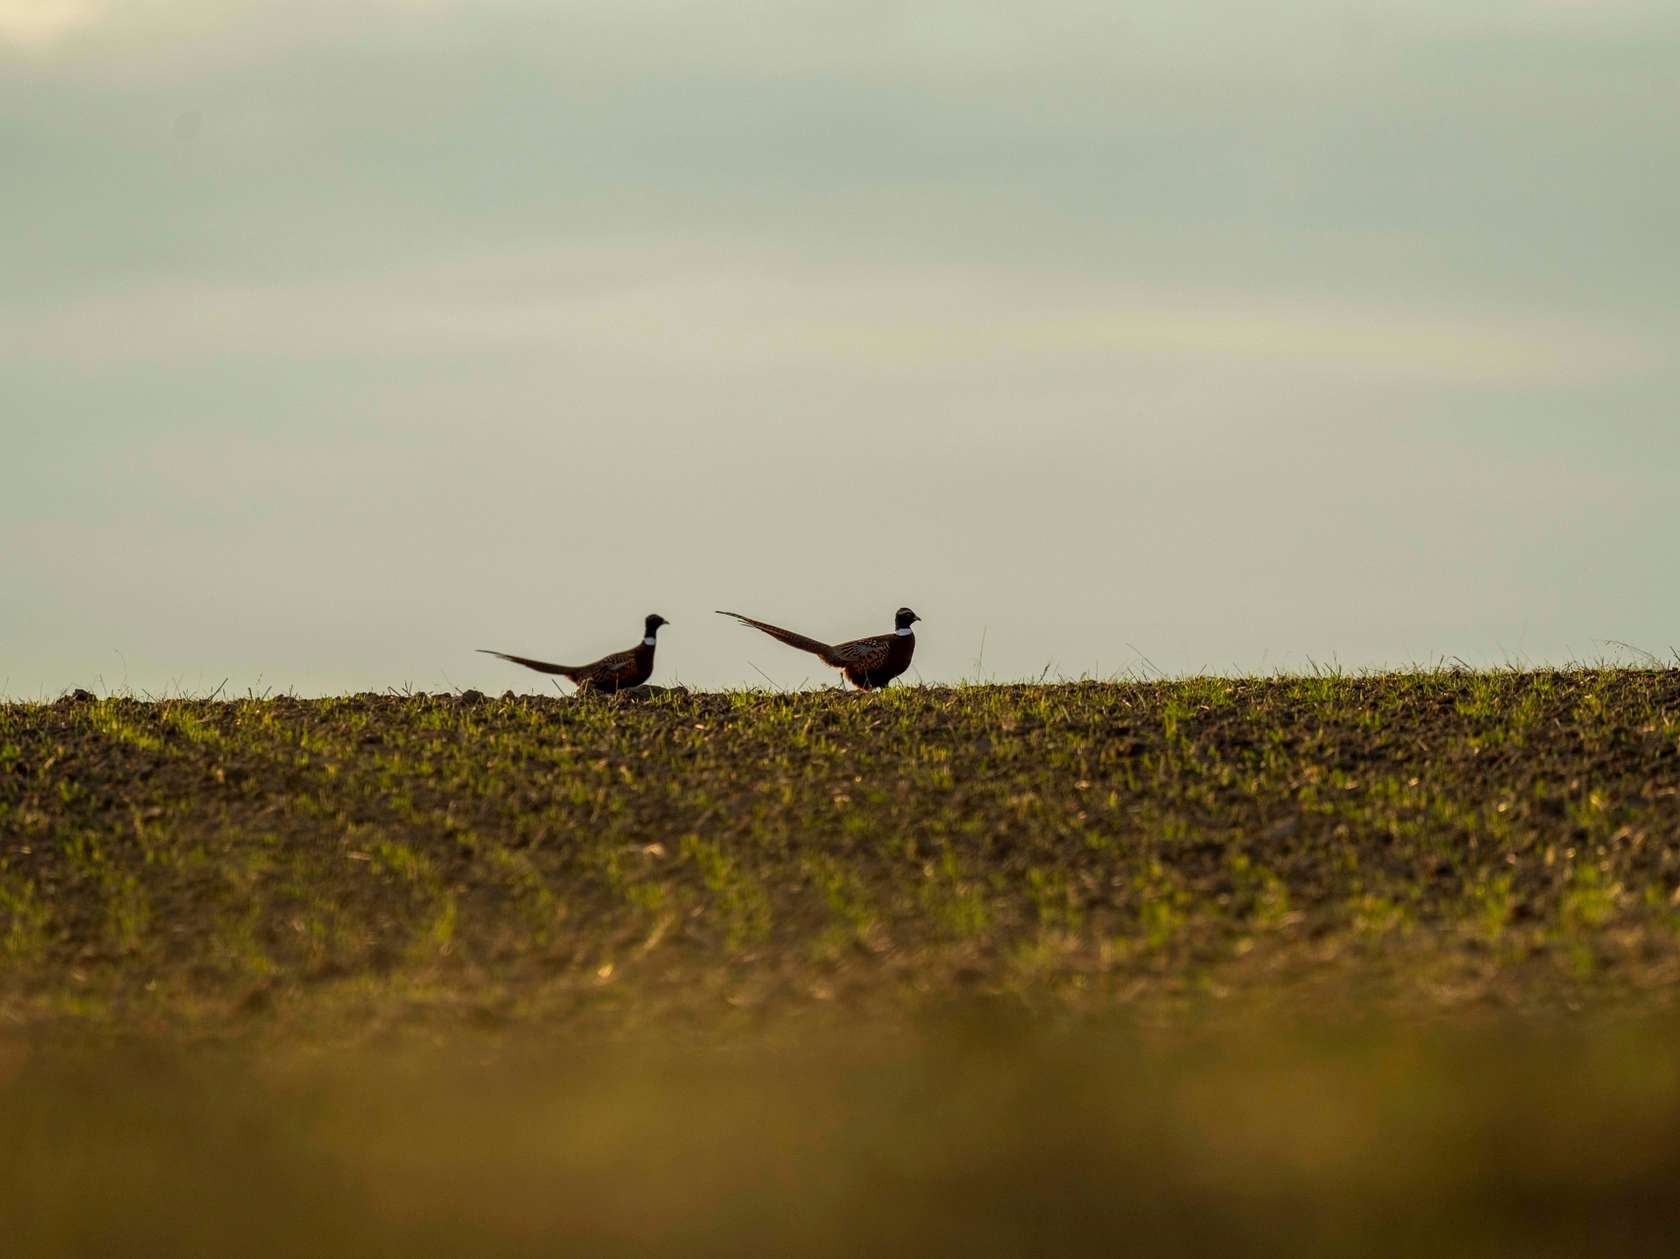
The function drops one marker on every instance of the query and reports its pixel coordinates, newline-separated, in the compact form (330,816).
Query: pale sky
(339,339)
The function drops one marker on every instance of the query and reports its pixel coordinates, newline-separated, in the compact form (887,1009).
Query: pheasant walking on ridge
(868,663)
(617,672)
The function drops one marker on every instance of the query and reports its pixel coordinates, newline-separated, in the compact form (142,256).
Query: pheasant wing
(609,672)
(864,653)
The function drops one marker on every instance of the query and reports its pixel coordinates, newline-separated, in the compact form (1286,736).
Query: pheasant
(868,663)
(616,672)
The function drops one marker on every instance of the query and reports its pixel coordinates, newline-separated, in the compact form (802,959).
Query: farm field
(1293,964)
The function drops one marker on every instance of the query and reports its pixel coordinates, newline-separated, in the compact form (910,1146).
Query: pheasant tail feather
(787,636)
(541,666)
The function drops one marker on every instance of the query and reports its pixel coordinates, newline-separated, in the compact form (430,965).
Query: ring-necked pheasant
(868,663)
(616,672)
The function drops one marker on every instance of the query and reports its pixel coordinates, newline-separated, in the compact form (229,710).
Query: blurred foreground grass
(1305,965)
(971,1134)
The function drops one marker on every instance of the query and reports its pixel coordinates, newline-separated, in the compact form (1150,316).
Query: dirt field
(1426,839)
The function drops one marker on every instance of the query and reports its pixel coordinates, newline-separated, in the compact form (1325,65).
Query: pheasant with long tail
(868,663)
(617,672)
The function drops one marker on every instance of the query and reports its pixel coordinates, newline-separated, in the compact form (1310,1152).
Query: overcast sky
(339,339)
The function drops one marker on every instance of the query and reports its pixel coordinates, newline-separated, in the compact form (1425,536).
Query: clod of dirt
(647,689)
